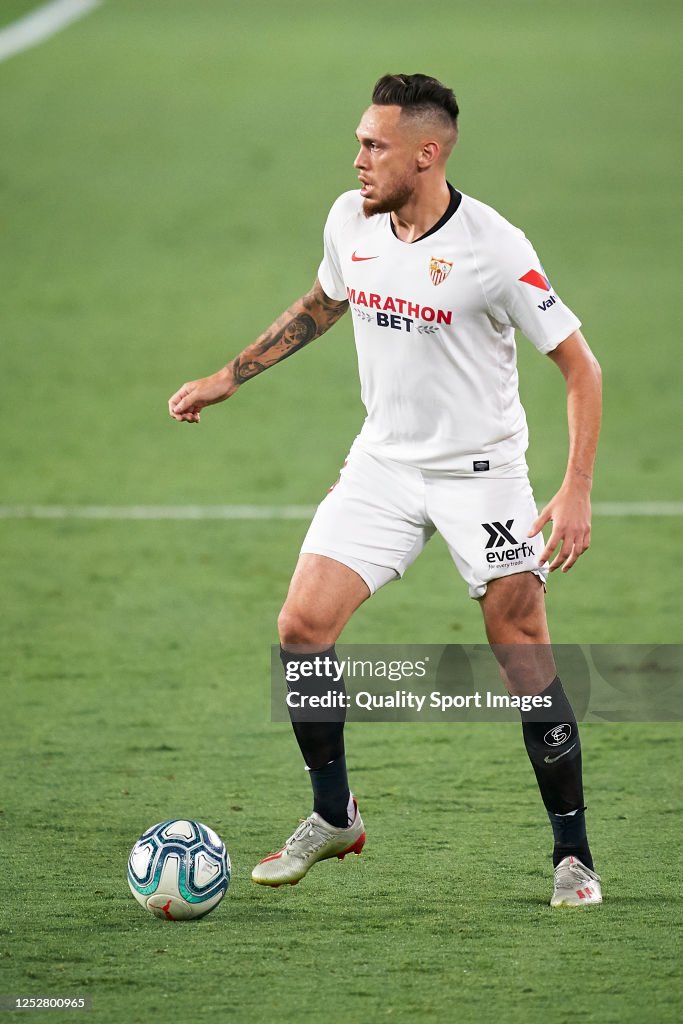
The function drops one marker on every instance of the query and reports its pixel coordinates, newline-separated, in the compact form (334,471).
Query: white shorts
(380,514)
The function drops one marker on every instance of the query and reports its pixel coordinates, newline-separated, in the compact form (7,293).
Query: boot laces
(310,835)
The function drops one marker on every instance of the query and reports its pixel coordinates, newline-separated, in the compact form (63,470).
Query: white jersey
(434,323)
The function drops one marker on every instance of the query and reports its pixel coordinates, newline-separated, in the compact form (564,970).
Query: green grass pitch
(165,170)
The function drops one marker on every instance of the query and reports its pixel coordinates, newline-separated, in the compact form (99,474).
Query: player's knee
(301,627)
(510,628)
(526,661)
(524,631)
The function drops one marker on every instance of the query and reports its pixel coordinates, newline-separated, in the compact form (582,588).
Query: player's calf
(551,737)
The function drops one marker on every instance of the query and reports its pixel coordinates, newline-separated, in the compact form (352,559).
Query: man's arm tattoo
(243,369)
(293,336)
(307,319)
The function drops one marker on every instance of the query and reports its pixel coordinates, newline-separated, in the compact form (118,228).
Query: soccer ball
(179,870)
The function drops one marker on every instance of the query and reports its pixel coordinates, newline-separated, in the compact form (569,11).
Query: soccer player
(437,284)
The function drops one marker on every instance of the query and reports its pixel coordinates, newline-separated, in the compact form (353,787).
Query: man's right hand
(308,318)
(188,401)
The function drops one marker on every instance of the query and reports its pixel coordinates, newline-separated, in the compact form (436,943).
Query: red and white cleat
(575,885)
(314,840)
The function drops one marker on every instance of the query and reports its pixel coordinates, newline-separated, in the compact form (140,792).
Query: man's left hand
(570,513)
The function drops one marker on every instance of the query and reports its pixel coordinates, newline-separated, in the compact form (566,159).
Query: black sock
(551,737)
(320,732)
(569,831)
(331,792)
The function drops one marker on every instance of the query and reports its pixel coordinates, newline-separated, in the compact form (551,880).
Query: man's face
(387,161)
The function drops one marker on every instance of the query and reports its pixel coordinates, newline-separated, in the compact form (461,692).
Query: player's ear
(428,155)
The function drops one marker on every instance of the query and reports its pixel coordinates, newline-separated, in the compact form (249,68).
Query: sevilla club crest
(439,270)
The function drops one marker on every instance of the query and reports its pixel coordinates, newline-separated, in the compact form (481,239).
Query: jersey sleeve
(329,272)
(524,298)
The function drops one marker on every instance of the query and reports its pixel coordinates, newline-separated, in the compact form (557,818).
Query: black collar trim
(456,199)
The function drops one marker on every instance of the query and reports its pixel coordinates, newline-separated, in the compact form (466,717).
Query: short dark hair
(418,94)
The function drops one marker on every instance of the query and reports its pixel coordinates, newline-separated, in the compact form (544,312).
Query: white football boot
(575,885)
(314,840)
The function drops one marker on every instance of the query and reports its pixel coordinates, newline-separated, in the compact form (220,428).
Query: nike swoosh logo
(551,760)
(361,259)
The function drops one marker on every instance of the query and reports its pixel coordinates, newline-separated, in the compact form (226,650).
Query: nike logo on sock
(551,760)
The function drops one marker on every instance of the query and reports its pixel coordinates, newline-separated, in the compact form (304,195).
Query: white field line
(247,512)
(42,23)
(638,508)
(156,511)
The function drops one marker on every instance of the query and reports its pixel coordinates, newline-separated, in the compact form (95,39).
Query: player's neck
(421,213)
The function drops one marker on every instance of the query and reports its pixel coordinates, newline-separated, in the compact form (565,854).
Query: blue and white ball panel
(179,870)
